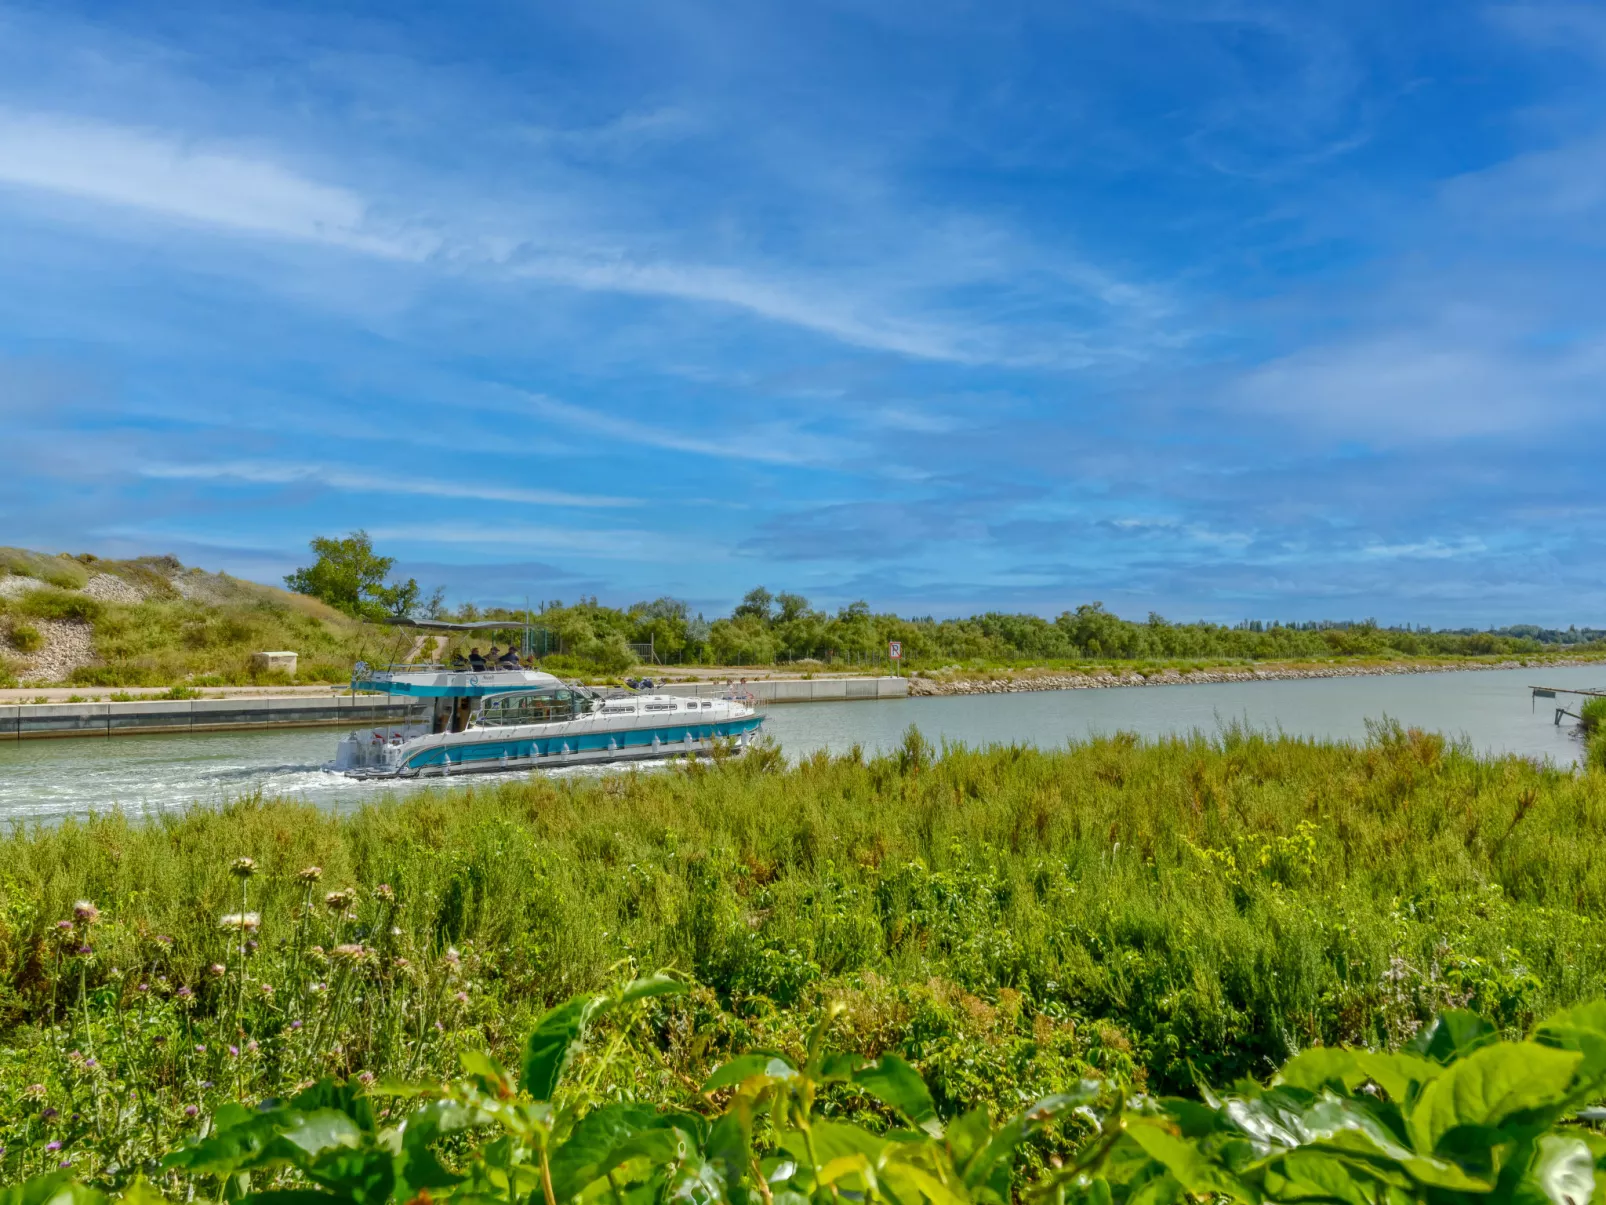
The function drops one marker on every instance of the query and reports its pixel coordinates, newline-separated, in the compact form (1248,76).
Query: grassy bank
(1009,919)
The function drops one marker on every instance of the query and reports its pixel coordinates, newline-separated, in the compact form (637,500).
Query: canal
(47,780)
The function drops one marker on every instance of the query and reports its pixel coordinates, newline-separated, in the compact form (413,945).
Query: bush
(115,675)
(54,603)
(1592,716)
(25,638)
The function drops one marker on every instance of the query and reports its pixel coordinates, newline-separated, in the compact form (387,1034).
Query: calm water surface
(47,780)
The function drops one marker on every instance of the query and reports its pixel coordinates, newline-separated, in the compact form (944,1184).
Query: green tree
(350,576)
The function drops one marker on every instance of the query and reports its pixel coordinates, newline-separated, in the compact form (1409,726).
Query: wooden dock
(1550,692)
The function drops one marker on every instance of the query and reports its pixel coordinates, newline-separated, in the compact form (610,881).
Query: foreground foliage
(1010,921)
(1458,1116)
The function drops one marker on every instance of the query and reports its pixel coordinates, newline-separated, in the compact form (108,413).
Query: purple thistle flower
(295,1025)
(190,1110)
(85,950)
(206,1083)
(90,1063)
(49,1113)
(234,1052)
(53,1146)
(199,1049)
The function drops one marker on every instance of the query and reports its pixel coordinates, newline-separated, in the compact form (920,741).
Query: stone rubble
(1104,679)
(68,644)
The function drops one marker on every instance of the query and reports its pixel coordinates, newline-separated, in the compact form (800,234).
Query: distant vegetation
(1008,921)
(195,628)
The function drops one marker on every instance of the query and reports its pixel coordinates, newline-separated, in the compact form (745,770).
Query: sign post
(895,652)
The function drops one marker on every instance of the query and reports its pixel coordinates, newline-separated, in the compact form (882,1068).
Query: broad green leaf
(1317,1176)
(554,1043)
(967,1136)
(1563,1170)
(1490,1086)
(1319,1067)
(320,1131)
(1453,1034)
(910,1184)
(583,1157)
(55,1188)
(853,1165)
(745,1067)
(1194,1170)
(477,1064)
(660,984)
(1582,1029)
(994,1163)
(894,1082)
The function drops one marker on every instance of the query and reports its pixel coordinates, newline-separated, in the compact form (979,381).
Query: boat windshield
(534,707)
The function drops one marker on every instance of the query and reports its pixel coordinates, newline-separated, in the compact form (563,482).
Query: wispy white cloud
(607,544)
(253,472)
(765,443)
(160,174)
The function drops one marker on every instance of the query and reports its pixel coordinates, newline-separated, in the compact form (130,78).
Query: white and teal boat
(515,719)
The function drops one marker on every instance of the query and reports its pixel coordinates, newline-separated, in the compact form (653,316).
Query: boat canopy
(429,683)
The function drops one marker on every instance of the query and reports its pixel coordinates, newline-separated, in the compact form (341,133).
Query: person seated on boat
(476,661)
(510,659)
(458,661)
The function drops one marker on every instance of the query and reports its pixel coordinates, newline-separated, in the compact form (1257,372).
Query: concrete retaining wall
(39,720)
(798,690)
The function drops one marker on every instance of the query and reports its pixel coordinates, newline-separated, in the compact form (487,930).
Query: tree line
(766,628)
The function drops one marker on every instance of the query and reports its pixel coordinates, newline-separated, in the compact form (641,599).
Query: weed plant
(1008,919)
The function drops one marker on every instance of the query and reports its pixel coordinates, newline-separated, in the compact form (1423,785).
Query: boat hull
(492,750)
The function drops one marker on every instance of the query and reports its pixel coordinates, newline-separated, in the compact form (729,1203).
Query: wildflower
(49,1114)
(245,922)
(144,987)
(206,1083)
(85,913)
(266,989)
(91,1063)
(34,1091)
(163,939)
(234,1052)
(53,1145)
(385,894)
(366,1078)
(339,901)
(350,952)
(318,950)
(200,1049)
(251,1047)
(311,874)
(402,964)
(217,970)
(243,868)
(452,956)
(64,926)
(190,1110)
(295,1025)
(461,997)
(251,946)
(184,992)
(65,1163)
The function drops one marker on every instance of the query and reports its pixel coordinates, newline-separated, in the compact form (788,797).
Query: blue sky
(1215,309)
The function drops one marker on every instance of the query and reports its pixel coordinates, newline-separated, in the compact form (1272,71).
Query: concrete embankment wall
(145,716)
(797,690)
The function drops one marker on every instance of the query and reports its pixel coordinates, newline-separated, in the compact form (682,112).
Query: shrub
(114,675)
(54,603)
(1592,715)
(25,638)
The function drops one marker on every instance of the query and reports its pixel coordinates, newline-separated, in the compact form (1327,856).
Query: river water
(48,780)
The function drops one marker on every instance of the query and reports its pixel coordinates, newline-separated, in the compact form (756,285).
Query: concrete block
(266,662)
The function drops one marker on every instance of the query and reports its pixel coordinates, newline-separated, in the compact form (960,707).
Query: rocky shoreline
(1027,680)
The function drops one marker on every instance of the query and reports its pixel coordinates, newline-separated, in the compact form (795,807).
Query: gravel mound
(68,644)
(12,585)
(113,589)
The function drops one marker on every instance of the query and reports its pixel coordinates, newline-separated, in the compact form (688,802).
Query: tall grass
(1008,917)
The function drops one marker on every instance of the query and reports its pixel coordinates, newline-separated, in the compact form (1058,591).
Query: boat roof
(432,682)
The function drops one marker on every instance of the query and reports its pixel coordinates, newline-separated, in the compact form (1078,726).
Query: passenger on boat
(458,661)
(510,659)
(476,661)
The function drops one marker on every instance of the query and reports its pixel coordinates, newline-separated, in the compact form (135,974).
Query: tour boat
(514,719)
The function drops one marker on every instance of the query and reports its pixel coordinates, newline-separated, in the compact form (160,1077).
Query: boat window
(707,704)
(660,707)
